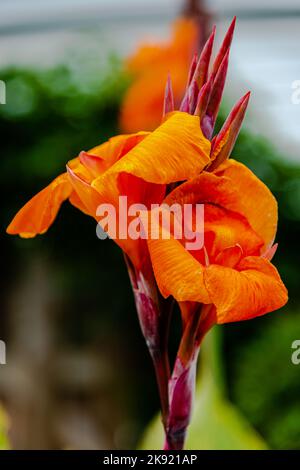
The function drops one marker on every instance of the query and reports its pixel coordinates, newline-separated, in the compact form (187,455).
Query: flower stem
(182,383)
(175,441)
(162,372)
(154,315)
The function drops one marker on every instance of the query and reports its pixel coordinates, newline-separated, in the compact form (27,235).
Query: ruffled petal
(207,188)
(252,289)
(116,147)
(257,202)
(86,196)
(230,256)
(225,223)
(93,163)
(224,228)
(175,151)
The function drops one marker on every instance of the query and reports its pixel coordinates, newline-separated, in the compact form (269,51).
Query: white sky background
(13,10)
(265,54)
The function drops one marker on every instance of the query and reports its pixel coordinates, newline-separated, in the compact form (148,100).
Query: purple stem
(154,315)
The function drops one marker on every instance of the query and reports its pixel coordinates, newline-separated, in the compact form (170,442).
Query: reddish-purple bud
(181,395)
(193,96)
(225,47)
(227,136)
(192,69)
(169,97)
(217,92)
(201,71)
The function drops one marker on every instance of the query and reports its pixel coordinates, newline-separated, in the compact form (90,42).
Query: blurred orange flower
(149,66)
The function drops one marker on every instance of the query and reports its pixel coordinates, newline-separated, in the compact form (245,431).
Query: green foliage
(51,115)
(266,382)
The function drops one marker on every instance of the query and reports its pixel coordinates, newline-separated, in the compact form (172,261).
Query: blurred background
(78,375)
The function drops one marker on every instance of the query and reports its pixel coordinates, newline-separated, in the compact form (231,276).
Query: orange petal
(83,172)
(230,257)
(225,222)
(77,202)
(175,151)
(252,290)
(176,271)
(142,173)
(96,161)
(116,147)
(39,213)
(234,187)
(206,188)
(95,164)
(256,201)
(224,228)
(86,198)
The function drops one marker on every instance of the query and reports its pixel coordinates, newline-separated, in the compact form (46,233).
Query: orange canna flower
(143,167)
(142,164)
(149,66)
(230,278)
